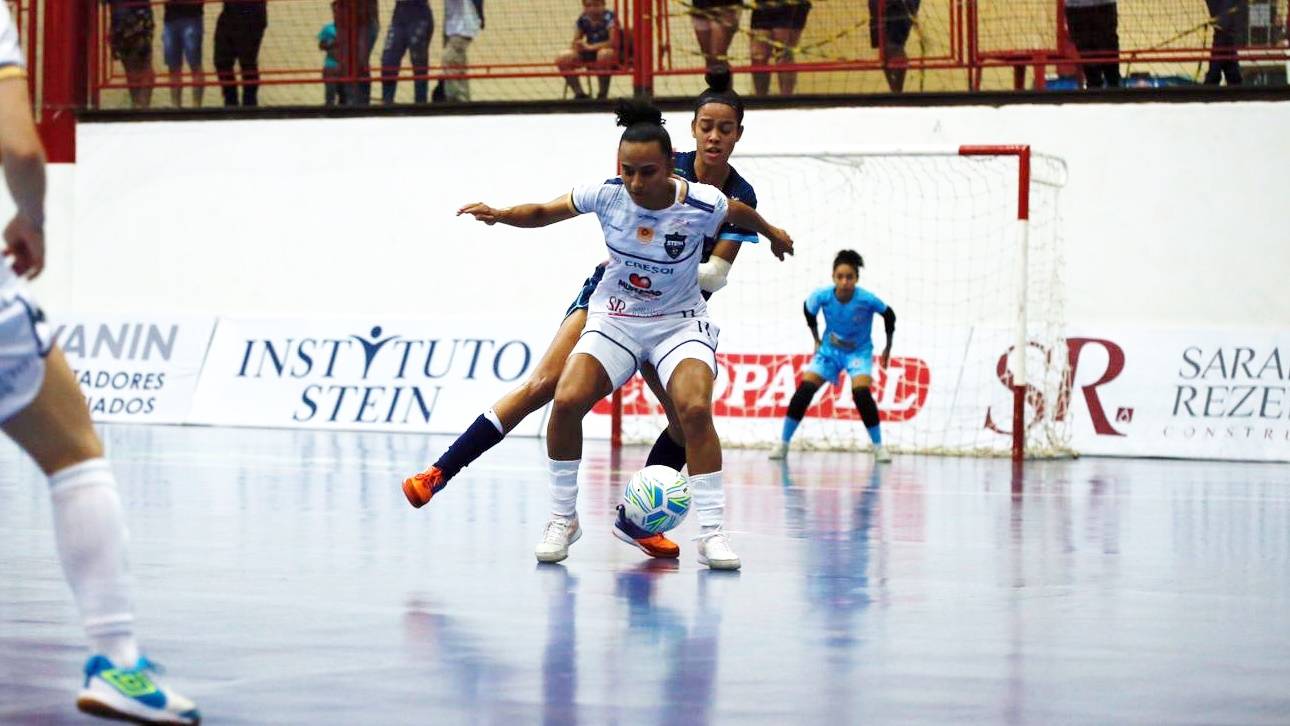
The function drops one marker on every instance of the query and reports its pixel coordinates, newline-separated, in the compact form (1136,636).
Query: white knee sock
(709,499)
(91,535)
(564,486)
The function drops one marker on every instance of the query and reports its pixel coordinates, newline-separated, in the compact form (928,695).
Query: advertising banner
(136,368)
(1194,394)
(364,374)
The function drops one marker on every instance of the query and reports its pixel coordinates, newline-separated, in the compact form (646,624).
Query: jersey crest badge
(674,244)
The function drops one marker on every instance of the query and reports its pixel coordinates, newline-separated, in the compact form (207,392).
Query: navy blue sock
(482,435)
(868,409)
(666,452)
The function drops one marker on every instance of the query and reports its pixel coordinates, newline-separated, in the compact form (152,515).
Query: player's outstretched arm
(24,169)
(743,215)
(889,323)
(523,215)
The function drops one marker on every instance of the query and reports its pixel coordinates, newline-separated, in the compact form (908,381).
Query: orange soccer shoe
(654,545)
(419,488)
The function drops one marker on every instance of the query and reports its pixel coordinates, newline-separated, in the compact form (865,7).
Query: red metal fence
(953,45)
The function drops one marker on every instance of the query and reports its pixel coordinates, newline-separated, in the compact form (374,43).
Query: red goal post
(945,209)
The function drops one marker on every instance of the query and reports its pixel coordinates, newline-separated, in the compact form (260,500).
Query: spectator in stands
(131,41)
(181,39)
(411,26)
(1222,54)
(239,29)
(776,30)
(462,21)
(357,27)
(331,64)
(715,24)
(889,28)
(1094,29)
(595,46)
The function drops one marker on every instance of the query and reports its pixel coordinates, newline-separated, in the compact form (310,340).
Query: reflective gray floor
(283,579)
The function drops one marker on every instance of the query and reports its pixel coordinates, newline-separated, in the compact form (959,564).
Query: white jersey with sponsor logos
(654,254)
(12,65)
(12,61)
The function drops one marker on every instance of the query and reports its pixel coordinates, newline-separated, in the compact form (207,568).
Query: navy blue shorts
(583,300)
(791,14)
(897,21)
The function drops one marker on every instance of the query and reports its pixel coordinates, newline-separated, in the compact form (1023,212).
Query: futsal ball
(657,498)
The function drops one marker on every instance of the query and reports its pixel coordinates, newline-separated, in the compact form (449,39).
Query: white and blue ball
(657,498)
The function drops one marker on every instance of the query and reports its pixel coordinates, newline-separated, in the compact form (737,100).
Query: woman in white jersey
(716,127)
(43,411)
(648,309)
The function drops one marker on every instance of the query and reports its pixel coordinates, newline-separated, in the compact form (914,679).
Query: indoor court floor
(282,578)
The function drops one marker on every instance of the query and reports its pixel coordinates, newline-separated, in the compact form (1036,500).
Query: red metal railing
(965,37)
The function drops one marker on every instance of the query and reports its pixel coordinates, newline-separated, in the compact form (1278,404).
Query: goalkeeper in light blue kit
(847,345)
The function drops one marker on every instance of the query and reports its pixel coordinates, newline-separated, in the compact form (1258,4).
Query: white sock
(495,420)
(564,487)
(91,535)
(709,500)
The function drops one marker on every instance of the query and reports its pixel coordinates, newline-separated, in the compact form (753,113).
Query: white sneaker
(779,450)
(560,533)
(132,694)
(881,455)
(715,551)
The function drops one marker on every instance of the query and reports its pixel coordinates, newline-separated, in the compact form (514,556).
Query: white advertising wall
(1174,243)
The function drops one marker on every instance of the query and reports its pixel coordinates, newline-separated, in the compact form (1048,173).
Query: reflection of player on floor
(649,310)
(716,127)
(43,411)
(848,345)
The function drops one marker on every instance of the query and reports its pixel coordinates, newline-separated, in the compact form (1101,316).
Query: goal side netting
(964,245)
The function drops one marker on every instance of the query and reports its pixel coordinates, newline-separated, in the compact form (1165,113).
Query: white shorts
(622,345)
(25,340)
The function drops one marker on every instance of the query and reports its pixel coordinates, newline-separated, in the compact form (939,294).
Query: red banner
(759,385)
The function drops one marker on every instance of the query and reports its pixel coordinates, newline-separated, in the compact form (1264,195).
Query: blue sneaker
(651,543)
(132,695)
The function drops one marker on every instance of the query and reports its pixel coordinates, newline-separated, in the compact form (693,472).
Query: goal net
(946,246)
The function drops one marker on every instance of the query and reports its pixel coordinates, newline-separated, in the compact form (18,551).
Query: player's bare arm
(742,215)
(24,170)
(523,215)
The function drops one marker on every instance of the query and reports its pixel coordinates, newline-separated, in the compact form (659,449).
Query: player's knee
(801,400)
(539,389)
(693,414)
(605,56)
(566,60)
(569,402)
(865,404)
